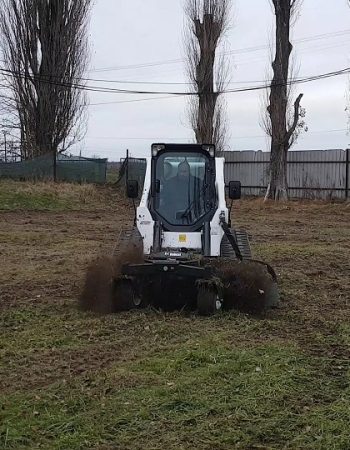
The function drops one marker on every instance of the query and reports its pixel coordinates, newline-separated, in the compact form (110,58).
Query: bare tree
(45,52)
(9,145)
(283,121)
(207,21)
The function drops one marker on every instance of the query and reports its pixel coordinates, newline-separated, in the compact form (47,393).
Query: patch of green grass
(344,331)
(36,328)
(148,380)
(207,396)
(47,196)
(198,394)
(29,332)
(19,200)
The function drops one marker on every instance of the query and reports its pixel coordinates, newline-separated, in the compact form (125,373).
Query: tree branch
(296,117)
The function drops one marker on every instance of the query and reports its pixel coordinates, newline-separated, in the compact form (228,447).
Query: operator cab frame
(183,204)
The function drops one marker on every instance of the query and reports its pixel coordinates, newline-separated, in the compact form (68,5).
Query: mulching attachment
(247,286)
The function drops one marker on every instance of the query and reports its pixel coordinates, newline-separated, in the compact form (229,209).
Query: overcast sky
(138,33)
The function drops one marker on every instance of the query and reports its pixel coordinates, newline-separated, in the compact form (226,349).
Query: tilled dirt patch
(45,256)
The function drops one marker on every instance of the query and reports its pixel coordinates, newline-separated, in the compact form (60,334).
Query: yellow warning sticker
(182,238)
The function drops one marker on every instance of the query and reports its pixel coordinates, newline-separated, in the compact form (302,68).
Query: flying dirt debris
(183,251)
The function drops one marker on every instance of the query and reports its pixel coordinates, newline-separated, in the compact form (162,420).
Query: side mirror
(132,188)
(234,190)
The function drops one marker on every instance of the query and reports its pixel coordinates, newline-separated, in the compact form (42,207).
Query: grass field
(148,380)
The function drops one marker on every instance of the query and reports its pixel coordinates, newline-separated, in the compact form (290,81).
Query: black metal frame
(182,148)
(168,268)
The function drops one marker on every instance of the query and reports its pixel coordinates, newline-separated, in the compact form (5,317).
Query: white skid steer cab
(189,253)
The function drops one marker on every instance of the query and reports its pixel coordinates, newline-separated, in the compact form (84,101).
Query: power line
(243,50)
(231,52)
(103,80)
(165,139)
(174,83)
(102,89)
(187,138)
(133,101)
(81,79)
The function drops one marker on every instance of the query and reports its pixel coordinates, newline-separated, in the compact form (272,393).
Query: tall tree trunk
(281,131)
(278,173)
(207,22)
(204,130)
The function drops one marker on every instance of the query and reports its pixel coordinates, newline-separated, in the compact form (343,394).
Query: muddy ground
(46,342)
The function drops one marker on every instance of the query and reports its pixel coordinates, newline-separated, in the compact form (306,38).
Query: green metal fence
(40,168)
(64,168)
(78,169)
(132,169)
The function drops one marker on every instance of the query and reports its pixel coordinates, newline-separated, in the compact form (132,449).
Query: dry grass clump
(79,193)
(48,195)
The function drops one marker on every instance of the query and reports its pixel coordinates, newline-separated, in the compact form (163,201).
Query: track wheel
(125,295)
(208,300)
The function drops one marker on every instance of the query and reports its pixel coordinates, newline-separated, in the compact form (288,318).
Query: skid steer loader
(190,253)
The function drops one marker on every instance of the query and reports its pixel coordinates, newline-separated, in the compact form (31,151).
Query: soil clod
(100,292)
